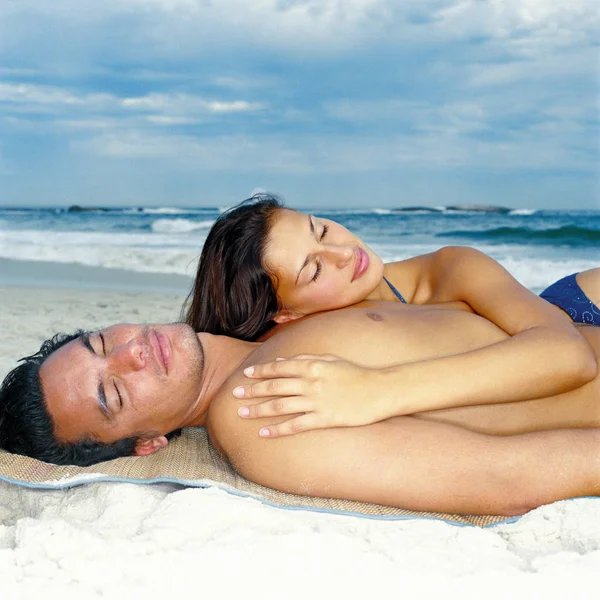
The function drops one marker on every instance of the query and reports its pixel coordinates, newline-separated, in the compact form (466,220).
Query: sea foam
(179,225)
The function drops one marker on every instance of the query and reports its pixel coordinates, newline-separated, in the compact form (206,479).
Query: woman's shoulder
(408,275)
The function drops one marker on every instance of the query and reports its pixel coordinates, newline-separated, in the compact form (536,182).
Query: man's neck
(222,356)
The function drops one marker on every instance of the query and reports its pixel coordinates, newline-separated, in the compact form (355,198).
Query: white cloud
(168,108)
(240,82)
(219,153)
(26,98)
(432,148)
(305,26)
(235,106)
(149,102)
(546,67)
(22,93)
(164,120)
(185,103)
(127,145)
(505,18)
(193,24)
(455,117)
(324,86)
(85,124)
(19,72)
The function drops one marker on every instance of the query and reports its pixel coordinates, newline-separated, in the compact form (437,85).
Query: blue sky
(326,102)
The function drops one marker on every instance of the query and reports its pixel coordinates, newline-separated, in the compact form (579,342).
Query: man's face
(123,381)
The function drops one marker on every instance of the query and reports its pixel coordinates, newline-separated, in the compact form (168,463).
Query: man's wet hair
(27,428)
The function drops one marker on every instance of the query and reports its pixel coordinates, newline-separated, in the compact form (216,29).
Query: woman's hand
(322,391)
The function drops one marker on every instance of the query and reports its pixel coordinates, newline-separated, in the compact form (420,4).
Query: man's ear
(148,446)
(285,316)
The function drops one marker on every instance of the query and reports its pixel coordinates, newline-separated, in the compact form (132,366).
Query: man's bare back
(364,463)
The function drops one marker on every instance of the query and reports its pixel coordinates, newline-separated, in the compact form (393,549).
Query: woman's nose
(339,254)
(129,356)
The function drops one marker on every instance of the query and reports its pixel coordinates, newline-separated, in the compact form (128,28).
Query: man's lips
(361,263)
(161,349)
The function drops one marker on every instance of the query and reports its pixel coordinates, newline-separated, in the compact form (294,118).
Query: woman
(264,264)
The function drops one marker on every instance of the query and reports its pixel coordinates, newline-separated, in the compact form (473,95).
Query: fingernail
(264,432)
(243,411)
(239,391)
(249,371)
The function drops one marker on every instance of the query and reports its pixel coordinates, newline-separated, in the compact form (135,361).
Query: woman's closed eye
(319,265)
(317,272)
(103,343)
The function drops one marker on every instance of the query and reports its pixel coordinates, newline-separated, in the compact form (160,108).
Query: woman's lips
(361,263)
(162,349)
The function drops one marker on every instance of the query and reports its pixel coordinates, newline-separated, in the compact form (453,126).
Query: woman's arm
(544,356)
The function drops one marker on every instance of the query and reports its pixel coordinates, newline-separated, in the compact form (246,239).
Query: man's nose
(339,254)
(130,356)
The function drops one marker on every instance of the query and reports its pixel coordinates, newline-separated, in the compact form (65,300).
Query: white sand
(123,540)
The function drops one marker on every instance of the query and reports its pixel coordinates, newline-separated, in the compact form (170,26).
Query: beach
(129,129)
(118,540)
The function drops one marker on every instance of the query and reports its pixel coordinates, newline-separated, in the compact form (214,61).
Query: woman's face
(318,264)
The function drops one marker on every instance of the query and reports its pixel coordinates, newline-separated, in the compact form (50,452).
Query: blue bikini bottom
(567,294)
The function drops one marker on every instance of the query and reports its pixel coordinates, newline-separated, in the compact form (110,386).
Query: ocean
(536,246)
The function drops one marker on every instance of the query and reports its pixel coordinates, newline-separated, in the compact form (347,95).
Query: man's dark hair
(233,294)
(26,426)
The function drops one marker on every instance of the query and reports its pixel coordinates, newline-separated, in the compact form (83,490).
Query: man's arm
(425,466)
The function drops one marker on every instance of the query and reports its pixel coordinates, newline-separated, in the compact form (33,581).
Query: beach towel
(190,460)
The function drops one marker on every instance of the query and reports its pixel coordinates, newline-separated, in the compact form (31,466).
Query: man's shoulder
(322,333)
(310,323)
(343,462)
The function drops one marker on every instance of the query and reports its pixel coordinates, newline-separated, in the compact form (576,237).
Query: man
(139,384)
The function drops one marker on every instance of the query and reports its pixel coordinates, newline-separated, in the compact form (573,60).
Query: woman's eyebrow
(300,271)
(312,231)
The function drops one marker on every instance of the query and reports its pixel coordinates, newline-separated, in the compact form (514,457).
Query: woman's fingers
(297,366)
(290,427)
(305,385)
(274,408)
(269,388)
(311,392)
(277,368)
(328,357)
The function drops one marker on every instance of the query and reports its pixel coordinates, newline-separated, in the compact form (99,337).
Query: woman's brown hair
(233,294)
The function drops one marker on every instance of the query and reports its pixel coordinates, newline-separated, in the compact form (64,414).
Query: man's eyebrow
(101,398)
(85,340)
(312,230)
(102,404)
